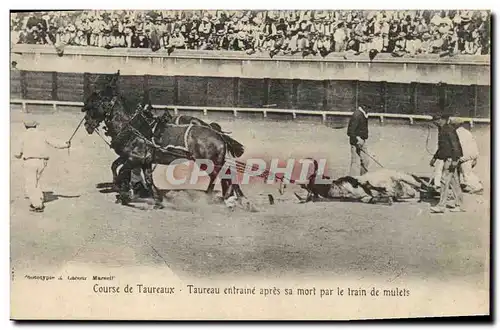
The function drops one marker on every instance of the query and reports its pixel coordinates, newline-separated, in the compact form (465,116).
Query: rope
(154,145)
(99,133)
(74,132)
(373,158)
(76,129)
(242,168)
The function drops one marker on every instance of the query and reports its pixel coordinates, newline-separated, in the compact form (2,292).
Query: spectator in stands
(277,44)
(399,45)
(205,27)
(240,41)
(303,41)
(422,27)
(436,42)
(139,40)
(412,40)
(322,45)
(178,41)
(421,45)
(449,44)
(484,27)
(340,37)
(376,42)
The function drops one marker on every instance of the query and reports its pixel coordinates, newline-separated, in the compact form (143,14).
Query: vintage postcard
(250,164)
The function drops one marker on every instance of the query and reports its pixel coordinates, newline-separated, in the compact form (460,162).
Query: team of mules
(141,139)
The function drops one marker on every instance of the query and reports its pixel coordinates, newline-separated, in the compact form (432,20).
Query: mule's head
(95,109)
(167,116)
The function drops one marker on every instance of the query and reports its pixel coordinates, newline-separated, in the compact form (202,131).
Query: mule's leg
(114,167)
(148,176)
(227,186)
(237,190)
(227,189)
(211,184)
(213,176)
(204,143)
(123,183)
(310,197)
(225,183)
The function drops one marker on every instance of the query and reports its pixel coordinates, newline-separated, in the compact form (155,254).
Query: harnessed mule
(235,148)
(133,138)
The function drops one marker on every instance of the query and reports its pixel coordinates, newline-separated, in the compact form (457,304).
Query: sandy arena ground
(200,239)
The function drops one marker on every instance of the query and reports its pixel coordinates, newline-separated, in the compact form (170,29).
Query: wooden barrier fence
(263,111)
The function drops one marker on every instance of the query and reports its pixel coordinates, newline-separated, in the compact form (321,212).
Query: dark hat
(443,115)
(465,18)
(426,36)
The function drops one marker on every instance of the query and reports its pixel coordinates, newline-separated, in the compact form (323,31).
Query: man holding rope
(33,152)
(469,181)
(357,131)
(450,151)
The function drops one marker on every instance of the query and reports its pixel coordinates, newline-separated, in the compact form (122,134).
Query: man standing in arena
(357,131)
(450,151)
(34,154)
(470,181)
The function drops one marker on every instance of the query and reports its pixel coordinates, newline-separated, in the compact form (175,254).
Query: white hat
(30,123)
(241,35)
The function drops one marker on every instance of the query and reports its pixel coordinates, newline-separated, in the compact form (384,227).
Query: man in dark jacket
(450,151)
(358,134)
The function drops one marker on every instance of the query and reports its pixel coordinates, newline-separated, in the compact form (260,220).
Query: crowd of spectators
(401,33)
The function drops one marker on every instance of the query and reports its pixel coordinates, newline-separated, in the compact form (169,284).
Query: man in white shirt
(177,41)
(340,36)
(468,178)
(33,152)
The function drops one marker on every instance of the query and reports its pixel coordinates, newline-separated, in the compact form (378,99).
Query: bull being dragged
(383,185)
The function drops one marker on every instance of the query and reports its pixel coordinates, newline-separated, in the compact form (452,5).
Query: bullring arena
(201,238)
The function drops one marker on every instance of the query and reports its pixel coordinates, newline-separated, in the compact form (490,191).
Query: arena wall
(389,85)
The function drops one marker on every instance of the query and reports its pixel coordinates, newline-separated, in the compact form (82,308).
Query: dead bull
(372,187)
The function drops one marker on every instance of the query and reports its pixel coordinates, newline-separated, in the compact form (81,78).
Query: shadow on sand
(106,188)
(49,196)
